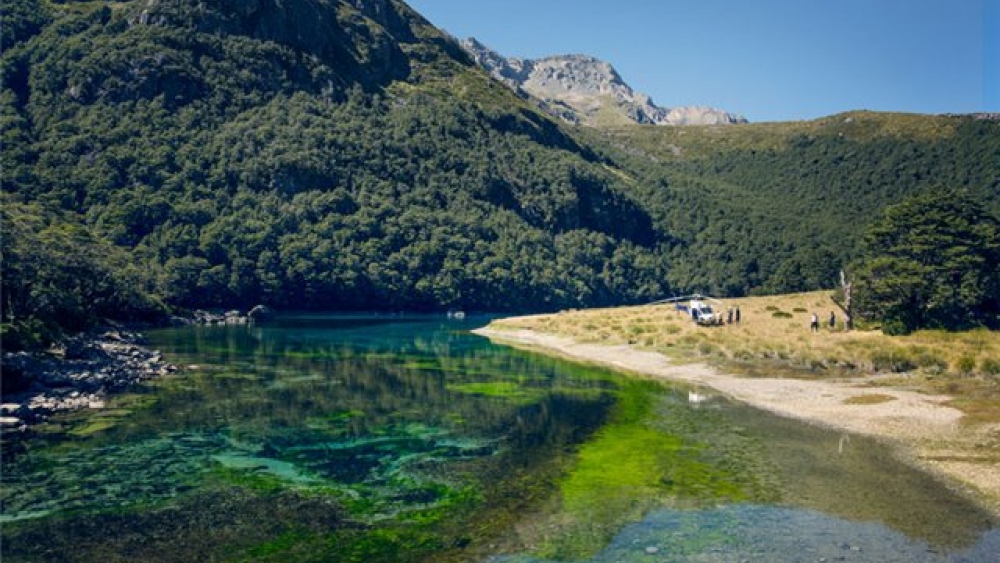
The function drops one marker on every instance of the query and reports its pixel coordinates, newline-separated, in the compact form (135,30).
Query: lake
(407,438)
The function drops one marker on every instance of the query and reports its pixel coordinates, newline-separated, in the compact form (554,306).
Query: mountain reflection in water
(405,438)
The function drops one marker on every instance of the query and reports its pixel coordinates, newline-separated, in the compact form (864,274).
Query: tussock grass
(768,344)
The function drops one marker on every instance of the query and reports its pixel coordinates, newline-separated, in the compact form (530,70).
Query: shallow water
(392,438)
(747,532)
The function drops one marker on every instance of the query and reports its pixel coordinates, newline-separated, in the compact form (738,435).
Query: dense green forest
(241,160)
(782,207)
(348,155)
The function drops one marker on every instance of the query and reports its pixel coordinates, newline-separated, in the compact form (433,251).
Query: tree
(56,276)
(931,262)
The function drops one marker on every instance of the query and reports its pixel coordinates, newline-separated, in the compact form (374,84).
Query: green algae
(633,456)
(508,390)
(94,426)
(94,421)
(280,546)
(337,418)
(247,479)
(334,452)
(634,464)
(279,472)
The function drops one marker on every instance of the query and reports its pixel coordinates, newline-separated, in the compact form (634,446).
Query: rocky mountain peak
(584,89)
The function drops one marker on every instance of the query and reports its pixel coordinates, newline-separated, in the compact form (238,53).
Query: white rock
(10,421)
(586,89)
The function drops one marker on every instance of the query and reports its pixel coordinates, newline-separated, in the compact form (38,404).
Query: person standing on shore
(814,325)
(833,320)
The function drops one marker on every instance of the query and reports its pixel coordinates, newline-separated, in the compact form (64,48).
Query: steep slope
(779,207)
(584,89)
(310,153)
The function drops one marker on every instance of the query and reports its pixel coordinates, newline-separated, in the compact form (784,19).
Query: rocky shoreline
(77,373)
(81,371)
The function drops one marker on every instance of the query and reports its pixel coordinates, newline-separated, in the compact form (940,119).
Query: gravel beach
(923,427)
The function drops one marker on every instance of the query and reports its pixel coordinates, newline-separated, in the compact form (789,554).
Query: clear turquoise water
(404,438)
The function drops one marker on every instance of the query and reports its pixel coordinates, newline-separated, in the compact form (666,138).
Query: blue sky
(770,60)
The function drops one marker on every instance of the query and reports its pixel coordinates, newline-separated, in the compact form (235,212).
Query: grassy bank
(774,338)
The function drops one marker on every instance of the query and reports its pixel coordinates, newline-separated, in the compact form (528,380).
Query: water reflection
(861,479)
(390,421)
(339,438)
(767,533)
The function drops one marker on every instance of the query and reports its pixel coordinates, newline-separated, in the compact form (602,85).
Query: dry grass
(774,338)
(871,399)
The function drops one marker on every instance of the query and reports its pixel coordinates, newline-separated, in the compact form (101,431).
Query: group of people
(814,324)
(730,313)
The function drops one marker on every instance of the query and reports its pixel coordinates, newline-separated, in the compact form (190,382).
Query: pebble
(78,374)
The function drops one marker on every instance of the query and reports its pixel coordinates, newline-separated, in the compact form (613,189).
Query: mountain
(345,154)
(584,89)
(337,154)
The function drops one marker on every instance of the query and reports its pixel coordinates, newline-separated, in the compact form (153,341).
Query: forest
(783,207)
(328,154)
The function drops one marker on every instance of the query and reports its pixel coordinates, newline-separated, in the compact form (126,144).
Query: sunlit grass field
(774,339)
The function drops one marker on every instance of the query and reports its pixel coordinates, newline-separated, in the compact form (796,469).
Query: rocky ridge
(587,90)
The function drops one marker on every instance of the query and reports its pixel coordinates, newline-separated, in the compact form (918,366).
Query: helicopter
(697,306)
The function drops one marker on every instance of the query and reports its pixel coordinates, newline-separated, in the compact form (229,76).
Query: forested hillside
(346,154)
(782,207)
(307,154)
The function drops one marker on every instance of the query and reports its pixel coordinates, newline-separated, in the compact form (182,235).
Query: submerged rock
(76,373)
(233,317)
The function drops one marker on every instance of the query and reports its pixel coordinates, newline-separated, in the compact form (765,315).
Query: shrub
(706,348)
(896,361)
(930,363)
(27,334)
(743,354)
(990,366)
(965,365)
(895,328)
(637,329)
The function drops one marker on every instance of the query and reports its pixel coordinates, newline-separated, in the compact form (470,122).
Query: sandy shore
(925,429)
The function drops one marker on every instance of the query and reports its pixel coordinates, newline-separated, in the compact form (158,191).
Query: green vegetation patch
(501,389)
(631,466)
(95,426)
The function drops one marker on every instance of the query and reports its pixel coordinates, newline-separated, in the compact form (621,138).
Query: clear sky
(769,60)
